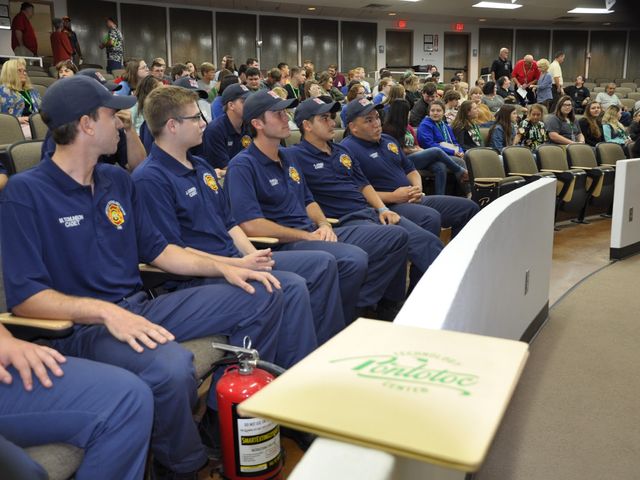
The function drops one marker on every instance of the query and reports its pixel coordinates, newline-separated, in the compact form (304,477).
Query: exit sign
(458,27)
(401,24)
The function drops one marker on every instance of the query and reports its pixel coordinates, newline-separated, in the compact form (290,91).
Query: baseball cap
(69,99)
(311,107)
(360,107)
(191,84)
(233,92)
(96,75)
(263,101)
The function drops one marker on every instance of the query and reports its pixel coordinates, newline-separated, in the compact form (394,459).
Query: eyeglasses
(197,117)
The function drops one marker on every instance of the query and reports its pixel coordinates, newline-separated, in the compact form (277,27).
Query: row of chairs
(11,131)
(585,176)
(621,82)
(621,92)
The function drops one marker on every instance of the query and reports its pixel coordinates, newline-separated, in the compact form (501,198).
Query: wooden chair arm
(264,240)
(35,328)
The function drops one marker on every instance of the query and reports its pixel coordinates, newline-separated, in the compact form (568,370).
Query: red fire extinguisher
(250,446)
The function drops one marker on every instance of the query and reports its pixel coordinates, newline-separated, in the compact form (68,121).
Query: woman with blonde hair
(485,117)
(17,95)
(411,84)
(613,130)
(545,84)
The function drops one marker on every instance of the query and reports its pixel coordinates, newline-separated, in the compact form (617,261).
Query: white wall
(59,10)
(477,284)
(625,232)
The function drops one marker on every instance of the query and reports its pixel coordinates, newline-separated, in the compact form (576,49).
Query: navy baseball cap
(69,99)
(191,84)
(359,108)
(312,107)
(97,75)
(263,101)
(234,92)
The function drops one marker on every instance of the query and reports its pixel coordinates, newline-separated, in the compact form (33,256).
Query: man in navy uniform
(73,233)
(338,184)
(227,135)
(395,178)
(269,197)
(189,207)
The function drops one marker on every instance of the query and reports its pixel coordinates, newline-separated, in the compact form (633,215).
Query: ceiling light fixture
(590,10)
(504,6)
(482,19)
(392,14)
(311,9)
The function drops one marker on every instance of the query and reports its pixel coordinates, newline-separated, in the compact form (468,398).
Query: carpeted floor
(576,412)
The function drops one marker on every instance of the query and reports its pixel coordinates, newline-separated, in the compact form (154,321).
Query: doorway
(456,56)
(399,48)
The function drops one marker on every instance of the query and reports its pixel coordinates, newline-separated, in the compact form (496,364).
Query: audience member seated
(46,398)
(544,87)
(608,98)
(217,107)
(309,69)
(525,75)
(120,324)
(66,68)
(480,83)
(579,94)
(326,84)
(158,68)
(384,86)
(382,74)
(17,95)
(338,78)
(360,74)
(451,100)
(433,131)
(312,89)
(503,89)
(532,130)
(420,109)
(504,132)
(433,159)
(411,84)
(465,126)
(295,87)
(147,85)
(178,71)
(273,79)
(227,63)
(356,92)
(134,72)
(193,72)
(613,130)
(490,98)
(562,127)
(485,117)
(253,79)
(207,80)
(227,135)
(634,133)
(591,124)
(396,92)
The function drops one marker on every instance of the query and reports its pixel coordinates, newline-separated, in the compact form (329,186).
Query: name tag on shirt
(72,221)
(318,165)
(273,182)
(230,143)
(374,155)
(192,192)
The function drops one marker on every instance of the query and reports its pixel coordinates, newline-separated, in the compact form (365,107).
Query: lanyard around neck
(444,130)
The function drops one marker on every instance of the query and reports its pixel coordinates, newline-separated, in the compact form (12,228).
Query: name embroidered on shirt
(318,165)
(274,182)
(230,143)
(374,155)
(192,192)
(72,221)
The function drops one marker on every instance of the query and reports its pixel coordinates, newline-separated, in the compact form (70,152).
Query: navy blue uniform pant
(168,369)
(100,408)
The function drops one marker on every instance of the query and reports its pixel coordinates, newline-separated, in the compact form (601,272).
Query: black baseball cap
(70,98)
(359,108)
(312,107)
(97,75)
(191,84)
(263,101)
(233,92)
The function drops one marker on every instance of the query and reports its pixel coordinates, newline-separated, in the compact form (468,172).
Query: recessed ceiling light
(505,6)
(311,8)
(482,19)
(411,1)
(392,14)
(606,24)
(590,10)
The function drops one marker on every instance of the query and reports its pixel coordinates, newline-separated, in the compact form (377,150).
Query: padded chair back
(581,156)
(623,91)
(590,85)
(598,89)
(24,155)
(10,129)
(552,157)
(519,160)
(39,129)
(635,96)
(608,153)
(293,138)
(484,162)
(118,72)
(40,88)
(603,82)
(628,103)
(631,85)
(53,72)
(45,81)
(484,133)
(487,173)
(338,135)
(38,73)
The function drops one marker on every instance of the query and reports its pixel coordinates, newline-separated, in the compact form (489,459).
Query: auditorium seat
(10,130)
(635,96)
(572,183)
(628,103)
(608,154)
(632,85)
(45,81)
(600,180)
(519,161)
(38,128)
(40,88)
(487,175)
(293,138)
(23,155)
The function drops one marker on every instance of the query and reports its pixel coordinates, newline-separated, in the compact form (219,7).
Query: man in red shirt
(60,44)
(525,74)
(23,37)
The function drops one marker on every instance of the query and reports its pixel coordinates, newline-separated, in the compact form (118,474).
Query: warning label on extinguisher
(258,445)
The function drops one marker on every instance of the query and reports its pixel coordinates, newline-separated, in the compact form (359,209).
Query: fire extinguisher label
(258,445)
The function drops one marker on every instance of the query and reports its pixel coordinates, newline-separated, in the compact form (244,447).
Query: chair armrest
(27,328)
(487,180)
(515,174)
(264,240)
(551,170)
(335,221)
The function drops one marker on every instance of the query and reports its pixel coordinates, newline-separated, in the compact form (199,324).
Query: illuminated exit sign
(401,24)
(458,27)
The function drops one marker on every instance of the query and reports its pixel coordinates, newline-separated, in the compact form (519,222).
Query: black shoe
(366,312)
(387,309)
(209,430)
(303,439)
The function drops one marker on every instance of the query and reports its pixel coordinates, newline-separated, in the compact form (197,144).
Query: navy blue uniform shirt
(222,142)
(188,206)
(261,188)
(335,180)
(58,234)
(384,163)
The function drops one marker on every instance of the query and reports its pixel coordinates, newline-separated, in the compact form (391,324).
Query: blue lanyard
(445,131)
